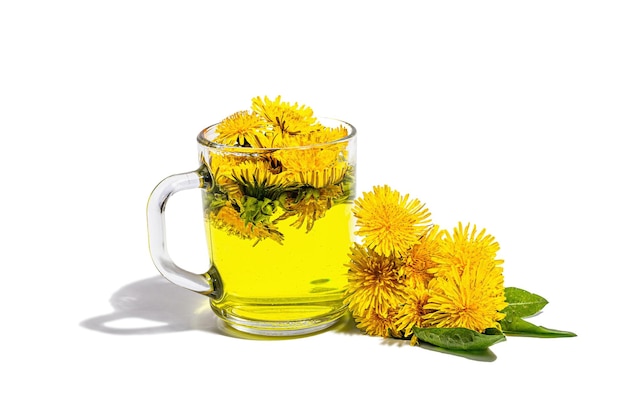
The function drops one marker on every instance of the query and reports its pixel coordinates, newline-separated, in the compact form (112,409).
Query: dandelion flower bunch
(410,279)
(409,273)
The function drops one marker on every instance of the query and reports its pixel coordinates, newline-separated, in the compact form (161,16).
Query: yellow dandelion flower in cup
(373,282)
(311,159)
(389,222)
(222,165)
(326,135)
(411,313)
(241,129)
(378,324)
(418,261)
(317,167)
(311,208)
(472,299)
(259,174)
(286,118)
(228,219)
(322,178)
(464,247)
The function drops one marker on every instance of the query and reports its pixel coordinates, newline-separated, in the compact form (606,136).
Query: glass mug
(279,227)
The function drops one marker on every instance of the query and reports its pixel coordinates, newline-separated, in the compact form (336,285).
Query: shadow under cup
(279,227)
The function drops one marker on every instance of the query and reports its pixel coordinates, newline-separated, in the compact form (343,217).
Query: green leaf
(516,326)
(522,303)
(458,338)
(479,355)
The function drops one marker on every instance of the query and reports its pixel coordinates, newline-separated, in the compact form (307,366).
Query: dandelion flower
(258,178)
(418,261)
(286,118)
(317,167)
(373,283)
(472,299)
(306,159)
(411,313)
(229,220)
(327,134)
(321,178)
(241,129)
(377,324)
(389,222)
(310,206)
(465,247)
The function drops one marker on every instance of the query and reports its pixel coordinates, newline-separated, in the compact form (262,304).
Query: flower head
(326,135)
(472,299)
(229,220)
(378,324)
(465,247)
(418,261)
(389,222)
(311,159)
(412,311)
(285,118)
(309,205)
(258,179)
(373,283)
(315,167)
(241,129)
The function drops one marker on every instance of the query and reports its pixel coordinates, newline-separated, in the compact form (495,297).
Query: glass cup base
(281,328)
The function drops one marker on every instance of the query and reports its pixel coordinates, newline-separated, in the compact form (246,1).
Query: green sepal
(516,326)
(307,193)
(257,211)
(458,338)
(522,303)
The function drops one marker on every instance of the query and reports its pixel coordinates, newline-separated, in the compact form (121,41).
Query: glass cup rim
(203,141)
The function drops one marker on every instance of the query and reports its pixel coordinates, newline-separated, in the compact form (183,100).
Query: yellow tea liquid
(299,283)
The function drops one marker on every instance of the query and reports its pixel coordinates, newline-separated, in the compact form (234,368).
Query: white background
(505,114)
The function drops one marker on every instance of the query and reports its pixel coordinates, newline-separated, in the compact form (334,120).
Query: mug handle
(200,283)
